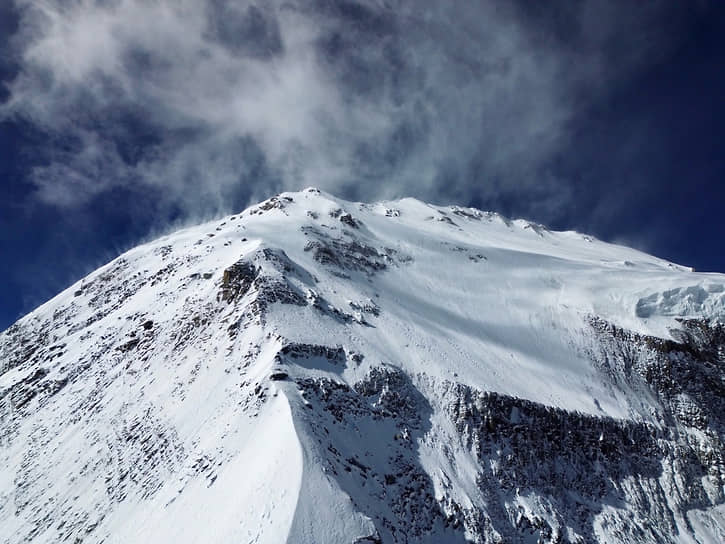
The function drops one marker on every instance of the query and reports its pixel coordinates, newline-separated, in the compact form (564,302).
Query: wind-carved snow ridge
(313,370)
(694,300)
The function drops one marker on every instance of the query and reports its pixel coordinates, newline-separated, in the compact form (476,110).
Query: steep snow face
(315,370)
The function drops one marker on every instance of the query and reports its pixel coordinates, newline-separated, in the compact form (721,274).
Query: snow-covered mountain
(319,371)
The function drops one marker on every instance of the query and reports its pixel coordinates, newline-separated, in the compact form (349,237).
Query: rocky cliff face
(314,370)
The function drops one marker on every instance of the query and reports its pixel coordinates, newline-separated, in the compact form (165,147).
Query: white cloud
(428,98)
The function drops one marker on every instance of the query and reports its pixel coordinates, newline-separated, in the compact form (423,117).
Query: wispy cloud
(198,101)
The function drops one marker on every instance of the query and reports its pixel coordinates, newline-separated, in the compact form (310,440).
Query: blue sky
(122,120)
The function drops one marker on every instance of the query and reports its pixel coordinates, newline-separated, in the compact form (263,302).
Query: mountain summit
(317,371)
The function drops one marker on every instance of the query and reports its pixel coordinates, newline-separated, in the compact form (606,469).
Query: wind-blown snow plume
(206,101)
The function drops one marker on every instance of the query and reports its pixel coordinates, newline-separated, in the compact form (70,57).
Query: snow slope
(316,370)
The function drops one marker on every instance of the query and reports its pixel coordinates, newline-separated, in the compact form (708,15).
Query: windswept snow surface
(314,370)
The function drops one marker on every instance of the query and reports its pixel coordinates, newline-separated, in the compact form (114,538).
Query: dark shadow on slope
(687,378)
(369,437)
(436,318)
(687,375)
(575,463)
